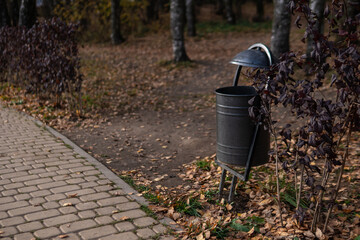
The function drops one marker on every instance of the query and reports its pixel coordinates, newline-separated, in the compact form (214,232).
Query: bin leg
(222,181)
(251,151)
(232,189)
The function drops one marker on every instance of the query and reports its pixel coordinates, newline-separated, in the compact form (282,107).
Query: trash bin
(235,128)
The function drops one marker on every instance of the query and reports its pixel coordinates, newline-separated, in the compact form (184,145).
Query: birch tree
(317,7)
(14,12)
(4,15)
(280,28)
(116,37)
(27,14)
(177,12)
(190,18)
(229,13)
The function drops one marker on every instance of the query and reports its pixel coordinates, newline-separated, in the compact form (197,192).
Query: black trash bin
(236,130)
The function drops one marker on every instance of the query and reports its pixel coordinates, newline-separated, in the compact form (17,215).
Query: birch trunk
(177,13)
(190,18)
(27,14)
(230,18)
(280,28)
(317,7)
(4,15)
(116,37)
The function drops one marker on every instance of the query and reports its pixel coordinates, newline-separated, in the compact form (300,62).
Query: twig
(272,130)
(277,179)
(300,186)
(334,196)
(319,201)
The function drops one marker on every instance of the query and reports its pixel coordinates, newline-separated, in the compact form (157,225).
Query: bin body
(235,129)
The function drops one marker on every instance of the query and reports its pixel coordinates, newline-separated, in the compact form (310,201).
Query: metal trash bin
(235,129)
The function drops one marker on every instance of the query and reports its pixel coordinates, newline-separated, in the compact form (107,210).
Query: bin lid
(252,58)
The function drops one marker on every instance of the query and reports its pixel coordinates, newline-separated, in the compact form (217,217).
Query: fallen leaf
(229,207)
(319,233)
(176,216)
(309,234)
(200,237)
(266,202)
(72,195)
(124,218)
(251,231)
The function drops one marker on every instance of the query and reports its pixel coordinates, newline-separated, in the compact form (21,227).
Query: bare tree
(152,10)
(4,15)
(317,7)
(280,28)
(116,36)
(190,18)
(177,13)
(14,12)
(27,14)
(220,7)
(259,11)
(353,7)
(230,17)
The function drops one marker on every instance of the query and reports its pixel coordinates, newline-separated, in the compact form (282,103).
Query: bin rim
(236,95)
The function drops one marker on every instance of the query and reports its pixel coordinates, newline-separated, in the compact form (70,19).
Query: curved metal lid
(251,58)
(254,57)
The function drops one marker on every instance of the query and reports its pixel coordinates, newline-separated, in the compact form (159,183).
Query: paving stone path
(54,190)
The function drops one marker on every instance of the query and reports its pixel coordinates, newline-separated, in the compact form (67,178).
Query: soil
(158,138)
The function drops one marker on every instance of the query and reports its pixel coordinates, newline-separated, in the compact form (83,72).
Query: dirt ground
(155,116)
(160,141)
(181,128)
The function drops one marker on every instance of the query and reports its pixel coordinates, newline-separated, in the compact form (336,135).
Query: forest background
(131,98)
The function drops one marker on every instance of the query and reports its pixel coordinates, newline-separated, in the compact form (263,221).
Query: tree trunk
(220,7)
(190,18)
(177,12)
(230,18)
(152,10)
(116,36)
(353,7)
(4,15)
(48,7)
(317,7)
(27,15)
(259,11)
(280,28)
(14,12)
(238,9)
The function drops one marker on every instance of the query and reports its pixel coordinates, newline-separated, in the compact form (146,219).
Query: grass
(243,26)
(145,190)
(171,65)
(249,223)
(189,206)
(210,195)
(148,212)
(203,165)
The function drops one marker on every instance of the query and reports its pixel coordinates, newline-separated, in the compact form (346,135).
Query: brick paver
(51,191)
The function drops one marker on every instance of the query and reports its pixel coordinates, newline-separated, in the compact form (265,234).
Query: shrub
(43,60)
(313,151)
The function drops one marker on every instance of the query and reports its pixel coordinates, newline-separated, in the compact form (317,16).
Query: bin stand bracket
(236,174)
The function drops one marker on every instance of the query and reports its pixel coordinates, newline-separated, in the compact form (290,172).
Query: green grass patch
(148,212)
(145,190)
(68,146)
(243,26)
(189,206)
(203,165)
(249,223)
(170,64)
